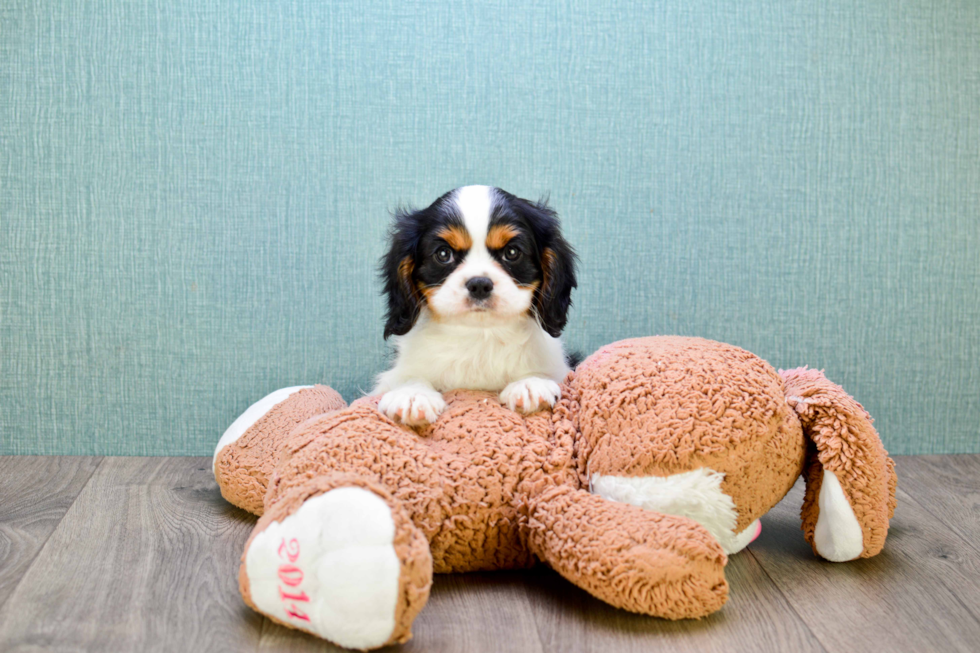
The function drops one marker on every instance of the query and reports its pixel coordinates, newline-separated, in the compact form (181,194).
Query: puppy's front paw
(414,404)
(531,394)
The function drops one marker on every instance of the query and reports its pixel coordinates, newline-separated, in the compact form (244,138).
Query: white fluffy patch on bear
(696,495)
(837,536)
(330,569)
(252,414)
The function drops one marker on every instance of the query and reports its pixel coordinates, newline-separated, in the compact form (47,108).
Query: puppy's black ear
(396,269)
(554,297)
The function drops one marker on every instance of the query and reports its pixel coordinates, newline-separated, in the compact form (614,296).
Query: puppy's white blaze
(476,203)
(696,495)
(837,535)
(348,568)
(251,415)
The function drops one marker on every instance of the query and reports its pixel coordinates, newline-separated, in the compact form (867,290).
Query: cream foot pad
(330,568)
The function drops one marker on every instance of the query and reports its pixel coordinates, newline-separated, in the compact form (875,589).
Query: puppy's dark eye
(511,253)
(444,255)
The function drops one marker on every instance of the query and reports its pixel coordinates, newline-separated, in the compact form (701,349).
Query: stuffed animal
(656,463)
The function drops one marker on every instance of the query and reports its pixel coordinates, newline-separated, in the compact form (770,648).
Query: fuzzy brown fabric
(661,406)
(845,443)
(415,579)
(488,488)
(243,467)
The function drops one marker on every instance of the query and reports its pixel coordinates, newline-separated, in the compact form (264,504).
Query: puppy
(478,287)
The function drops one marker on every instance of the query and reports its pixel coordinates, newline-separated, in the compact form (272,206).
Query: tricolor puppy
(478,287)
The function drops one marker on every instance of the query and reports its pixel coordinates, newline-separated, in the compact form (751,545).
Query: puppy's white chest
(451,357)
(484,360)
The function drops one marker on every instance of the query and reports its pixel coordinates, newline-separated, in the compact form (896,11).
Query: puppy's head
(480,256)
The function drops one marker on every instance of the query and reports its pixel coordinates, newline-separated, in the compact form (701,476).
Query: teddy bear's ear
(850,480)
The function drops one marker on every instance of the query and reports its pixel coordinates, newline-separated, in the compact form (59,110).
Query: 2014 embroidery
(291,576)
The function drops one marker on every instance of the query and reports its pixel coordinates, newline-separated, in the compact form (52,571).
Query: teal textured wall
(193,193)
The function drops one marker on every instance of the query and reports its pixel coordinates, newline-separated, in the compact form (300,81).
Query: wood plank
(477,612)
(921,593)
(145,559)
(756,618)
(466,612)
(35,493)
(949,487)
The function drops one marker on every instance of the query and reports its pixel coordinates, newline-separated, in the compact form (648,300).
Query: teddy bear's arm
(634,559)
(249,450)
(850,480)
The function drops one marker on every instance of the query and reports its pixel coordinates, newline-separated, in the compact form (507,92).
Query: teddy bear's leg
(850,480)
(338,557)
(632,558)
(249,449)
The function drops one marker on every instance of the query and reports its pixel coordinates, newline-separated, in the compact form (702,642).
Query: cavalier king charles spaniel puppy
(478,287)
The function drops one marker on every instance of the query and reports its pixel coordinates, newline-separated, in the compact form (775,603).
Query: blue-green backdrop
(193,193)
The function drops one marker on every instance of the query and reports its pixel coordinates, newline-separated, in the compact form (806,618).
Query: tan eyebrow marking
(499,235)
(457,237)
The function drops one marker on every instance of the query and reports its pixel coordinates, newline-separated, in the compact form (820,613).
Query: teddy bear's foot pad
(330,568)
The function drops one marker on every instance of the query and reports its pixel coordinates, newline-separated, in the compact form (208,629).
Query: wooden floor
(141,554)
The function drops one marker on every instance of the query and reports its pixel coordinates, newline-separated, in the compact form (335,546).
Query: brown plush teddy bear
(658,460)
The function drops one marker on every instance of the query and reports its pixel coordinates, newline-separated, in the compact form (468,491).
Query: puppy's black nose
(479,287)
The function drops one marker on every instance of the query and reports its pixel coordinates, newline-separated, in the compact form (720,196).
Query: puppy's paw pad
(531,394)
(412,405)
